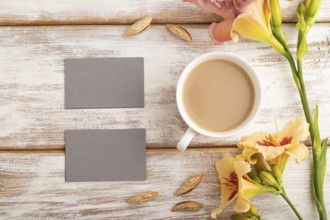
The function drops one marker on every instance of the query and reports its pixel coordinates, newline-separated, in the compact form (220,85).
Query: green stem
(304,100)
(317,184)
(298,77)
(286,198)
(318,191)
(316,152)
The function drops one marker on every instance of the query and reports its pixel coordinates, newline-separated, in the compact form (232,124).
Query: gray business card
(104,82)
(105,155)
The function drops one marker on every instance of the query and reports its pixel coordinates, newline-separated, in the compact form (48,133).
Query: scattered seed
(180,32)
(138,26)
(188,206)
(190,184)
(142,197)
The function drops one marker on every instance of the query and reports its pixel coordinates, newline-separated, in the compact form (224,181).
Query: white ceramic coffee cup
(195,128)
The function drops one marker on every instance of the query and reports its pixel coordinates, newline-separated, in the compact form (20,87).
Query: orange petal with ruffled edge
(222,32)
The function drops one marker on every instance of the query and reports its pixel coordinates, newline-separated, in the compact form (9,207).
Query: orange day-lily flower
(236,184)
(273,146)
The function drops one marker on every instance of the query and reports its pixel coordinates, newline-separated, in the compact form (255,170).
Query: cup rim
(228,57)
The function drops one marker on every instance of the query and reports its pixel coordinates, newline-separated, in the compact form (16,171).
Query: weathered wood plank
(51,12)
(32,187)
(32,113)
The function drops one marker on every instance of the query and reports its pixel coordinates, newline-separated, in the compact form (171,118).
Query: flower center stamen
(269,141)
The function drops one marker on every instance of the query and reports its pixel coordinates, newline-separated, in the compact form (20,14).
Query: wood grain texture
(53,12)
(32,114)
(32,187)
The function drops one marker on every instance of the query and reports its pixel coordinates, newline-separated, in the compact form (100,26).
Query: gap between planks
(149,150)
(119,24)
(96,23)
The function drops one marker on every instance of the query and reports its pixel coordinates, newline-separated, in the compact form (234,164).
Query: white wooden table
(37,35)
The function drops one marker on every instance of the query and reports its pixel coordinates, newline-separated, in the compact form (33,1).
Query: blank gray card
(105,155)
(104,82)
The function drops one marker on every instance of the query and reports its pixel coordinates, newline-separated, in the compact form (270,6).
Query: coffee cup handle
(186,139)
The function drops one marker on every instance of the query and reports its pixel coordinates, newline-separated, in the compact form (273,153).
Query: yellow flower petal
(280,161)
(247,154)
(242,204)
(223,205)
(261,11)
(249,189)
(300,152)
(277,148)
(296,129)
(230,172)
(241,168)
(225,166)
(254,24)
(250,28)
(270,153)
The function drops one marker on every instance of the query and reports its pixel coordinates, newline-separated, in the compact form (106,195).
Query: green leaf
(318,203)
(319,163)
(323,161)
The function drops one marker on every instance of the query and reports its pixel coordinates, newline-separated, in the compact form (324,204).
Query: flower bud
(301,24)
(253,211)
(276,171)
(276,13)
(312,8)
(307,2)
(301,8)
(240,217)
(254,177)
(268,179)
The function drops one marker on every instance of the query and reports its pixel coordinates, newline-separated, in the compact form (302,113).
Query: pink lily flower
(229,10)
(248,18)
